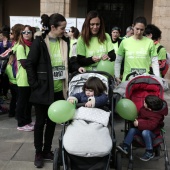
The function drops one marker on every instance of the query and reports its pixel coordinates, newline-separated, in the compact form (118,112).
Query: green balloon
(107,66)
(126,109)
(61,111)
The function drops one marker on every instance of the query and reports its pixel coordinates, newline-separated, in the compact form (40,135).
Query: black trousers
(14,97)
(23,109)
(44,128)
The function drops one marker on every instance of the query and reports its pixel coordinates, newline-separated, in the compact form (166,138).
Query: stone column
(161,18)
(55,6)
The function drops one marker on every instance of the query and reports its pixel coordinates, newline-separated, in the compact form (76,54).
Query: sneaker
(48,156)
(122,149)
(26,128)
(147,156)
(38,162)
(31,124)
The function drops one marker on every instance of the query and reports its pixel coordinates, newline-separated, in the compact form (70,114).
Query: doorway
(114,12)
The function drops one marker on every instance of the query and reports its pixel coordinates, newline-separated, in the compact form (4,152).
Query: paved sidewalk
(17,148)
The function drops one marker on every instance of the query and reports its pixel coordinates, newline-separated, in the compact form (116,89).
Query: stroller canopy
(141,86)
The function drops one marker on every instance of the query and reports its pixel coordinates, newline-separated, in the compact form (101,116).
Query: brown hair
(21,41)
(95,84)
(75,32)
(16,30)
(86,34)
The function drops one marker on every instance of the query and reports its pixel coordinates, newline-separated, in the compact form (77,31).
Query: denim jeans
(147,136)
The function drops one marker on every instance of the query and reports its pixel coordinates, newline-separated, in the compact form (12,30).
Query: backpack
(164,64)
(167,54)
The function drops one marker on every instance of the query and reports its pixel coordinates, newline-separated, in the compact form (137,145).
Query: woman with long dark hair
(94,44)
(47,57)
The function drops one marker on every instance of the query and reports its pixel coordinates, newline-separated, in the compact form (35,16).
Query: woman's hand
(118,81)
(105,57)
(82,69)
(96,59)
(135,123)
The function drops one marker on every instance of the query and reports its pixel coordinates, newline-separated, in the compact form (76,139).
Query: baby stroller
(82,147)
(136,90)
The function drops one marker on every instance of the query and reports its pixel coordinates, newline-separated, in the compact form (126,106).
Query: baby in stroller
(147,125)
(87,140)
(93,94)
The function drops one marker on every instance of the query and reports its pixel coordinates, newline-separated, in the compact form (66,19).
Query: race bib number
(139,70)
(59,73)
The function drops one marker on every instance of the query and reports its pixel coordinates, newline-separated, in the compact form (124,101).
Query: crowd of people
(30,61)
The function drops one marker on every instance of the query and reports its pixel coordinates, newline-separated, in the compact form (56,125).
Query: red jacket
(152,120)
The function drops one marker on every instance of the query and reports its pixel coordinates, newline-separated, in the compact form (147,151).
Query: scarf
(27,43)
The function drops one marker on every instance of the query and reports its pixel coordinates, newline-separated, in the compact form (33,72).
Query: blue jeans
(147,136)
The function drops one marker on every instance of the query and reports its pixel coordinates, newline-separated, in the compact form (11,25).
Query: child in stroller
(93,94)
(86,142)
(137,89)
(148,124)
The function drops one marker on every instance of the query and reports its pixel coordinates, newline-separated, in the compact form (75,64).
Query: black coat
(39,71)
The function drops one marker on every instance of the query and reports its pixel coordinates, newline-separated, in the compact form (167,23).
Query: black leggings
(42,135)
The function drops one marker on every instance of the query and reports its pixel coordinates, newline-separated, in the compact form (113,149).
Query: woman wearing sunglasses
(23,109)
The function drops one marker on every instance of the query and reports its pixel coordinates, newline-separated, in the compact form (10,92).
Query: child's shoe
(124,149)
(147,156)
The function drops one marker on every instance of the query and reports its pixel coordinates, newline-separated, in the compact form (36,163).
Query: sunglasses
(26,32)
(11,33)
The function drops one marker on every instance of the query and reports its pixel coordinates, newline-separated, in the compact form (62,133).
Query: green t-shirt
(94,49)
(9,73)
(14,48)
(72,41)
(21,77)
(137,54)
(56,60)
(161,53)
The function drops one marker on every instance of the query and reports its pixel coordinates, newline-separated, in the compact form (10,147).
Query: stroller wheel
(118,160)
(130,166)
(56,165)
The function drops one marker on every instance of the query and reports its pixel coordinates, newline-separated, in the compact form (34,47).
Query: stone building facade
(160,15)
(161,18)
(156,11)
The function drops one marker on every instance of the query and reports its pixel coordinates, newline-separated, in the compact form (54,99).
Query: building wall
(55,6)
(19,8)
(161,18)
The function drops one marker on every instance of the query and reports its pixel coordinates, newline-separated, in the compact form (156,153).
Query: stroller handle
(80,105)
(132,74)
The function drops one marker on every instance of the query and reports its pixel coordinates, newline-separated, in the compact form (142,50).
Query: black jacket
(39,71)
